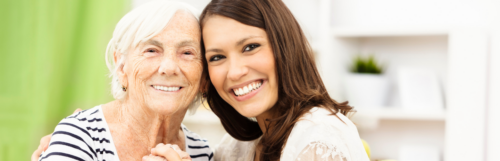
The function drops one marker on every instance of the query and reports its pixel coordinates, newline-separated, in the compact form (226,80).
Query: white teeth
(167,89)
(247,89)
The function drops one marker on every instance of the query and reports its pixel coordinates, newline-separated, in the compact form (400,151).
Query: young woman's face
(241,65)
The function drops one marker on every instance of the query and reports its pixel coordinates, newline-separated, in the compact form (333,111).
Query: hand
(44,144)
(167,152)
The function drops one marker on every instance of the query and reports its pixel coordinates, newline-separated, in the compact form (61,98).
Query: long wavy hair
(300,87)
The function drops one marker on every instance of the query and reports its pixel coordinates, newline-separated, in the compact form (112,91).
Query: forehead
(182,26)
(220,31)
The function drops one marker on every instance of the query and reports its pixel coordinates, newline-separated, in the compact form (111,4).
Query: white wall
(410,13)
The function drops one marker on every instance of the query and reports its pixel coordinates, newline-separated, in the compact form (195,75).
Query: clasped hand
(167,152)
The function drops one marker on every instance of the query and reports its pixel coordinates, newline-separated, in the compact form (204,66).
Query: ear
(122,76)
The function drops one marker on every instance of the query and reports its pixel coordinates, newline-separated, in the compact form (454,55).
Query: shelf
(390,113)
(382,113)
(347,32)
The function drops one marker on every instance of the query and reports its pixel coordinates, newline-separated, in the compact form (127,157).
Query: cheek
(267,65)
(264,63)
(193,71)
(217,77)
(145,68)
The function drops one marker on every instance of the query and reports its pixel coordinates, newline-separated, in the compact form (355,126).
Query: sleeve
(70,141)
(320,152)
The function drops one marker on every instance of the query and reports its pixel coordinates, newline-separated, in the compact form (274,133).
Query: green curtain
(51,62)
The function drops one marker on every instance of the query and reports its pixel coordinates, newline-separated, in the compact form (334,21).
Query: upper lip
(242,84)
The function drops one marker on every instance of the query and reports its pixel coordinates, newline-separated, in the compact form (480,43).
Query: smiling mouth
(166,89)
(248,88)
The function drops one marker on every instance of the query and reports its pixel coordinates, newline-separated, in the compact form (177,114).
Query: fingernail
(144,157)
(152,150)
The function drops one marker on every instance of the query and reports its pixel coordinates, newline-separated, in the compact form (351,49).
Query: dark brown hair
(300,87)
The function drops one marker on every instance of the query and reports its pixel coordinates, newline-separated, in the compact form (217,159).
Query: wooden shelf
(347,32)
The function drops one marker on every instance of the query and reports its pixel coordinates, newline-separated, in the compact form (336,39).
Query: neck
(149,126)
(261,120)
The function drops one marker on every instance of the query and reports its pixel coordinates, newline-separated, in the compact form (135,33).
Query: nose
(169,67)
(237,69)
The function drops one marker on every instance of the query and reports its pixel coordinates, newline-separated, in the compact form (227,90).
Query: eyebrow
(245,39)
(180,44)
(185,43)
(155,43)
(240,42)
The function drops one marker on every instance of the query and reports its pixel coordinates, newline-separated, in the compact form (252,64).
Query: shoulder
(322,120)
(319,127)
(83,124)
(75,135)
(197,147)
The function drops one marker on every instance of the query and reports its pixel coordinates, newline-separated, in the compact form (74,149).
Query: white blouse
(318,135)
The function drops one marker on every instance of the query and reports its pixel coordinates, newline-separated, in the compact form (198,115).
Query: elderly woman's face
(164,73)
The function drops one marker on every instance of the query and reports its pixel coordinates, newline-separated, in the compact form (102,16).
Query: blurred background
(423,75)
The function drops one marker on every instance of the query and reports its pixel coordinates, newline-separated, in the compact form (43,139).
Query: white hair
(140,25)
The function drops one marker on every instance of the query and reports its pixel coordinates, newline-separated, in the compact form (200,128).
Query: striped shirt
(85,136)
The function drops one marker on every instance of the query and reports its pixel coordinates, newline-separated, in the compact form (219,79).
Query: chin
(165,108)
(251,111)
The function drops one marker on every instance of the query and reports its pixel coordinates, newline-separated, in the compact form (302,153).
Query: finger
(175,147)
(181,153)
(153,158)
(45,141)
(77,110)
(36,154)
(184,155)
(167,152)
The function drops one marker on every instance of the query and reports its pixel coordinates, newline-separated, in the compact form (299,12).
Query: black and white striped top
(85,136)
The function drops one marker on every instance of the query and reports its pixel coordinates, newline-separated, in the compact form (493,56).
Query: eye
(188,53)
(151,50)
(216,58)
(251,47)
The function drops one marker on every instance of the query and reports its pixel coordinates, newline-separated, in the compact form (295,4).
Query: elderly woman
(155,62)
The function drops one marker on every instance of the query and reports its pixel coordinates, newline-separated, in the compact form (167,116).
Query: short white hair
(140,25)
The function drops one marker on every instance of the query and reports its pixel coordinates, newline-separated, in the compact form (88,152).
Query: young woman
(260,65)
